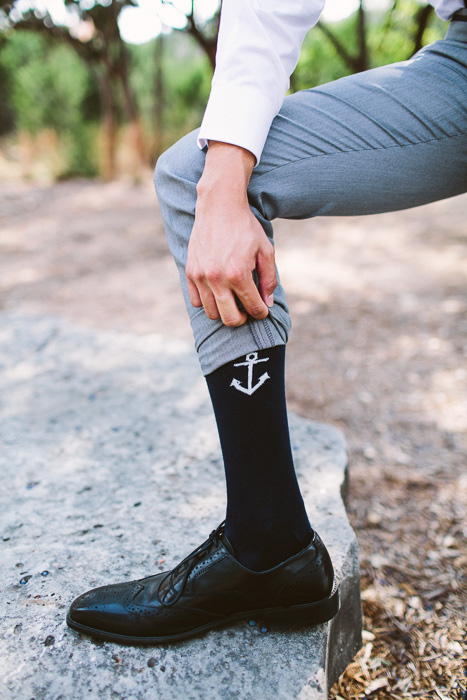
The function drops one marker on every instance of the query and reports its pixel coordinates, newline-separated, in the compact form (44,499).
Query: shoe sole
(296,615)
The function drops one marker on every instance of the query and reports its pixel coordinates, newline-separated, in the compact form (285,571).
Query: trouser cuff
(221,344)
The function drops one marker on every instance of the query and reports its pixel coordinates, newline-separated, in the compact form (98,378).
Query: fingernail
(270,301)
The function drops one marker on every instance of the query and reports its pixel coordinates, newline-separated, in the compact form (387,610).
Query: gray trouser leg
(177,173)
(390,138)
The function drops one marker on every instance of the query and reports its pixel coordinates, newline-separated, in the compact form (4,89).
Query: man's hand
(228,242)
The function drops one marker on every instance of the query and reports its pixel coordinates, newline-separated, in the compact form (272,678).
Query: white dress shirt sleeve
(446,8)
(258,48)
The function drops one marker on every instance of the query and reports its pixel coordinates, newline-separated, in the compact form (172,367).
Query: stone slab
(111,470)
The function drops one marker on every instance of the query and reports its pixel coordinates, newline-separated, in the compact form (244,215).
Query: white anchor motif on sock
(250,360)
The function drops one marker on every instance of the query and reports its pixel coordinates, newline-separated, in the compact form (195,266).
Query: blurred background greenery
(78,98)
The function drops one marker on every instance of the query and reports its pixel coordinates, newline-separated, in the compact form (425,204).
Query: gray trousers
(389,138)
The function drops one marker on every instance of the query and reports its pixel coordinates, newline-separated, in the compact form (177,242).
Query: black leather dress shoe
(208,589)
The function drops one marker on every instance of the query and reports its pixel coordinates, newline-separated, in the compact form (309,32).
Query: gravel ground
(378,349)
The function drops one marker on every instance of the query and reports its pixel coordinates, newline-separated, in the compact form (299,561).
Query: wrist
(227,170)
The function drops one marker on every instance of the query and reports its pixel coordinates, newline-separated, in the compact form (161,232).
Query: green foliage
(390,38)
(142,78)
(391,35)
(187,87)
(186,83)
(80,152)
(48,84)
(319,63)
(7,116)
(44,84)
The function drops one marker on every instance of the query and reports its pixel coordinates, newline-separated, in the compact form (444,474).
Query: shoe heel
(305,615)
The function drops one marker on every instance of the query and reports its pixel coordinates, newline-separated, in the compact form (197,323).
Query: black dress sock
(266,521)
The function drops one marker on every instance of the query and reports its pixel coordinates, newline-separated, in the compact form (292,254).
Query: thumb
(266,269)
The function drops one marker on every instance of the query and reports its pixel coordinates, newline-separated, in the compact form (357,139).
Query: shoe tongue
(170,587)
(227,545)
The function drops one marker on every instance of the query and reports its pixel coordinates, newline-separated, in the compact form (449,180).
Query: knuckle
(194,297)
(255,308)
(231,321)
(271,285)
(258,312)
(268,249)
(235,275)
(213,275)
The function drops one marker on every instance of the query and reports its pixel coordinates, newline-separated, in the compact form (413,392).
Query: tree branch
(348,59)
(32,23)
(361,32)
(423,17)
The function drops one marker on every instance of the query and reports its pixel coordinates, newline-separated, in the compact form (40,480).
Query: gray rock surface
(111,470)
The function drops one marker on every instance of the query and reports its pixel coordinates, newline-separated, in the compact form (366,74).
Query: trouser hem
(228,344)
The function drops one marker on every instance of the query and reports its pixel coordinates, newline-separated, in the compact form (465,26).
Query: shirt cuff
(238,115)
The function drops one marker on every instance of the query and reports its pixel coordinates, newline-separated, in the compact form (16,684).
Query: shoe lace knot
(172,585)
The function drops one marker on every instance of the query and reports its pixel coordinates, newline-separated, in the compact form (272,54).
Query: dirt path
(378,348)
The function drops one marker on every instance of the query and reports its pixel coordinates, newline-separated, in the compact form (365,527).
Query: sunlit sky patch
(143,23)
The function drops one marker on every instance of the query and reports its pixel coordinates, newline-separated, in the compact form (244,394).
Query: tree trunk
(26,153)
(423,17)
(207,43)
(108,124)
(357,63)
(159,97)
(361,62)
(293,82)
(130,106)
(209,46)
(348,59)
(211,49)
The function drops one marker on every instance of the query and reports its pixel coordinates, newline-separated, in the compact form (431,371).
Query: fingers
(218,287)
(229,311)
(247,291)
(201,295)
(219,300)
(266,269)
(194,294)
(209,302)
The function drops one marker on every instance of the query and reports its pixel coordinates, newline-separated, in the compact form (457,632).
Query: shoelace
(190,562)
